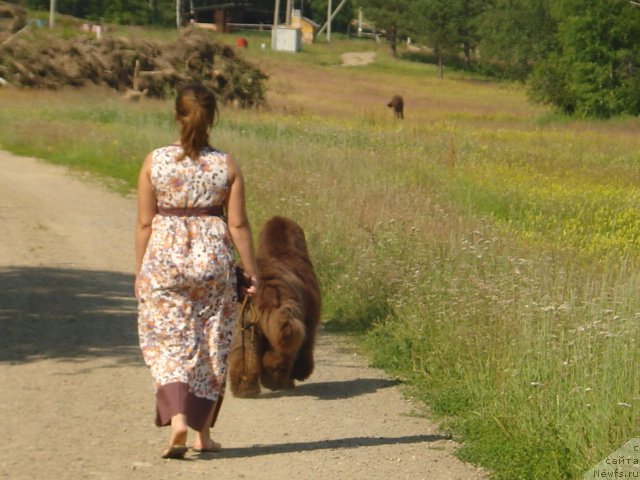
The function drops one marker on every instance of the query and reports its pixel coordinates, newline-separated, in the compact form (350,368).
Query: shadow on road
(334,390)
(294,447)
(66,313)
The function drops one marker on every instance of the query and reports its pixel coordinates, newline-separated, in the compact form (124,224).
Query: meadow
(484,251)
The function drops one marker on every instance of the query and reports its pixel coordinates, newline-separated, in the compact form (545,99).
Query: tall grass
(486,254)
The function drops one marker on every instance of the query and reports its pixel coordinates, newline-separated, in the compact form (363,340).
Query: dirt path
(357,59)
(76,401)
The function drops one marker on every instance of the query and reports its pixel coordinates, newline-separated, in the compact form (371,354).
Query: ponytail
(196,110)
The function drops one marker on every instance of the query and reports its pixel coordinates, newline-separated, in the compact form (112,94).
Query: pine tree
(517,33)
(390,15)
(594,70)
(436,23)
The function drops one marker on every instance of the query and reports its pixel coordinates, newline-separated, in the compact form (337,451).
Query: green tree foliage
(390,15)
(436,22)
(467,20)
(448,26)
(594,70)
(316,10)
(516,34)
(127,12)
(115,11)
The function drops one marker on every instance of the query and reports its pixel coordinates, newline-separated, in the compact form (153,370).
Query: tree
(391,15)
(448,26)
(595,68)
(436,22)
(127,12)
(469,13)
(517,33)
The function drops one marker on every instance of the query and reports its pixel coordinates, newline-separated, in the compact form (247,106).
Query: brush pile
(12,19)
(42,60)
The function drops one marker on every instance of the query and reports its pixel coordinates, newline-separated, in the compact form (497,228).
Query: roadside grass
(485,251)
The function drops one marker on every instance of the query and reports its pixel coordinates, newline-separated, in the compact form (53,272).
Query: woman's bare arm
(238,220)
(147,208)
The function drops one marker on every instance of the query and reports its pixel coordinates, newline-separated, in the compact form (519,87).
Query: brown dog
(397,104)
(287,314)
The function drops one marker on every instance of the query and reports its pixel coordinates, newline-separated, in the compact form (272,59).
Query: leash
(248,320)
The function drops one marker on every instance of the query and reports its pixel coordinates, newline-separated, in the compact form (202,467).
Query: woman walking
(191,213)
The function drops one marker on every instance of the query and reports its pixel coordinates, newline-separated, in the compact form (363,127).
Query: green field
(485,251)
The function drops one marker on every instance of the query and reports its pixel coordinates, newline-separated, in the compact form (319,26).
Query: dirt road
(76,401)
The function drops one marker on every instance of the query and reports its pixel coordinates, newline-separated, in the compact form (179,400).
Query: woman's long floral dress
(186,288)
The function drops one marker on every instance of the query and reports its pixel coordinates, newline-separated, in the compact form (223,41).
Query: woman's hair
(196,110)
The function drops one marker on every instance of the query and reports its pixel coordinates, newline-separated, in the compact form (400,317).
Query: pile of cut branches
(12,19)
(42,60)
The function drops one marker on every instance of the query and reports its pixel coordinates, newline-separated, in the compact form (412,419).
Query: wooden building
(308,28)
(220,16)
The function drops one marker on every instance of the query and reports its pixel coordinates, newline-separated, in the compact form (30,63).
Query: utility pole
(329,5)
(52,13)
(288,16)
(276,14)
(178,14)
(276,21)
(330,18)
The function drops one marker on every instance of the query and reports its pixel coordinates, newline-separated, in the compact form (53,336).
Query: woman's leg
(178,430)
(203,440)
(178,440)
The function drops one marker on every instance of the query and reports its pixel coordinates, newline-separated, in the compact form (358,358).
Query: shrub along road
(77,401)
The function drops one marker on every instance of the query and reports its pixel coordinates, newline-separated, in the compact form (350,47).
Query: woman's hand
(253,285)
(248,283)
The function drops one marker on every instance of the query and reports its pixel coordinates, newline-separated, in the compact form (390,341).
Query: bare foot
(178,430)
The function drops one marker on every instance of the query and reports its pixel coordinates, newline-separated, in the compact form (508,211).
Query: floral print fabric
(186,286)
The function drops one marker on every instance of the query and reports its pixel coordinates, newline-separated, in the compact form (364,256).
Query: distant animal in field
(279,349)
(397,105)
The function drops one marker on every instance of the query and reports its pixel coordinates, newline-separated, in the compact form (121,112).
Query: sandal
(213,448)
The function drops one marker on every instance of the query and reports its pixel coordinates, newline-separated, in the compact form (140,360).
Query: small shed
(308,28)
(218,17)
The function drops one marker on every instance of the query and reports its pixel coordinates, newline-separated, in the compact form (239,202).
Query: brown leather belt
(215,211)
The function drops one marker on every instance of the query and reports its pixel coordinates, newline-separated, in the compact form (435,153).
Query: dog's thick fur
(287,304)
(397,105)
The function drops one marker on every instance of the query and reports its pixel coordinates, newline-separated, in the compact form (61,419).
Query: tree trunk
(392,41)
(467,55)
(440,63)
(153,11)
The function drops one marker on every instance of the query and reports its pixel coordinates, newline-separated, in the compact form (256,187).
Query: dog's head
(284,327)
